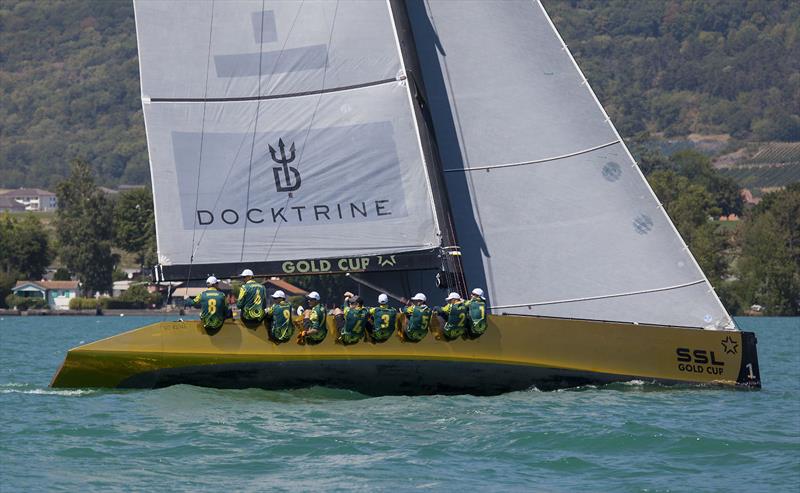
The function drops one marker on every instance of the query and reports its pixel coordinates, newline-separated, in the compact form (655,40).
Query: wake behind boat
(428,147)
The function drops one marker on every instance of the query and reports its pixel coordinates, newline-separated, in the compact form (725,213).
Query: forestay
(280,130)
(551,211)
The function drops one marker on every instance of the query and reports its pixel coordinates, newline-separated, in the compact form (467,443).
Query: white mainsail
(280,130)
(551,211)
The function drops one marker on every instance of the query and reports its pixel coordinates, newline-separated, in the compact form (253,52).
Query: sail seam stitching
(602,297)
(195,247)
(289,196)
(274,96)
(536,161)
(255,124)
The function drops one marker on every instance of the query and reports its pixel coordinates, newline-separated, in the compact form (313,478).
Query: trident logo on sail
(284,162)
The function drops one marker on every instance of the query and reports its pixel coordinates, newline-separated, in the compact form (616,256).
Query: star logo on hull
(729,345)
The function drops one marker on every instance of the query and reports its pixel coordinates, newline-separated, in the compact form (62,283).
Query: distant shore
(91,313)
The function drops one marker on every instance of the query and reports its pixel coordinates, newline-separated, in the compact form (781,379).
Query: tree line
(87,225)
(757,262)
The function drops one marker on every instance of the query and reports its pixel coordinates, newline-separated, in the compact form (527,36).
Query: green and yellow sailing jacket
(252,301)
(384,319)
(281,327)
(456,322)
(477,316)
(317,317)
(419,317)
(214,307)
(355,322)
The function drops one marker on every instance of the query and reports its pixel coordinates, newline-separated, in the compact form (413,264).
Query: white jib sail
(551,211)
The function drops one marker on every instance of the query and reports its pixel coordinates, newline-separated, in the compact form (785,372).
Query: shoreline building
(56,293)
(31,199)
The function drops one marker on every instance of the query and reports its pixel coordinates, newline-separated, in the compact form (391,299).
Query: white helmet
(279,294)
(246,272)
(453,296)
(383,298)
(419,297)
(478,292)
(211,280)
(313,295)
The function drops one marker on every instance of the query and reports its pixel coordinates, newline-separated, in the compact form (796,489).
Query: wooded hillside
(685,66)
(70,88)
(70,80)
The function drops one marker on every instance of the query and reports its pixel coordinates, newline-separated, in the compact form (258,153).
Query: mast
(452,270)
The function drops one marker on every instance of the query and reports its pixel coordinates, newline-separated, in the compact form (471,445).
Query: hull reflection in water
(516,353)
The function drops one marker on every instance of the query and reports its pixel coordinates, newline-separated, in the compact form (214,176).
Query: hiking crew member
(476,306)
(355,320)
(280,316)
(419,317)
(456,317)
(212,300)
(315,326)
(252,298)
(384,318)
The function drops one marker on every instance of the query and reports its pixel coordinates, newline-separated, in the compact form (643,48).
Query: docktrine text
(297,214)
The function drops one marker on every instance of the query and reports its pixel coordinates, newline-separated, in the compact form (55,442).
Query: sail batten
(600,297)
(535,161)
(275,96)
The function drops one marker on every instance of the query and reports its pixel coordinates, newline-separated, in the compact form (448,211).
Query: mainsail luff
(316,90)
(550,207)
(451,255)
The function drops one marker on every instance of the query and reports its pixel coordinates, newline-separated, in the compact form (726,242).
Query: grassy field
(755,177)
(728,226)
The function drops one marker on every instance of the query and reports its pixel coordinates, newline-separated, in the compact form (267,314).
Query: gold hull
(515,353)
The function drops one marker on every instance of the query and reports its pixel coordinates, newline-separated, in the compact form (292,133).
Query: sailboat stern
(749,373)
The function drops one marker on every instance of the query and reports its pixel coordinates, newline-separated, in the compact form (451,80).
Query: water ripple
(629,436)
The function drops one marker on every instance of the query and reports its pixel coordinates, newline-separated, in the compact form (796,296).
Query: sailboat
(419,146)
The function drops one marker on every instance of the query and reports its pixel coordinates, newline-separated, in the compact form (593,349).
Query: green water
(622,437)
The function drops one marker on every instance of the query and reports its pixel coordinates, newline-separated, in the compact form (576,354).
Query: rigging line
(536,161)
(275,96)
(310,123)
(202,139)
(227,177)
(255,129)
(280,54)
(601,297)
(375,287)
(460,133)
(252,122)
